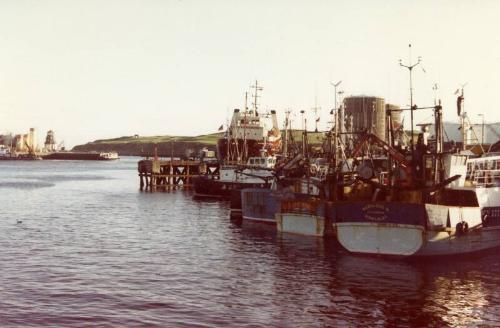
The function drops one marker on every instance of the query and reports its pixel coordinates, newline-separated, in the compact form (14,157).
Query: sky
(99,69)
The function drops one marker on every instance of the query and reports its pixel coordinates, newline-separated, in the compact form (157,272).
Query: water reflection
(93,249)
(459,301)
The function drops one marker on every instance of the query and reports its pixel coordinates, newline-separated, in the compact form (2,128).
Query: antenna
(335,113)
(246,102)
(463,116)
(315,109)
(302,119)
(335,85)
(256,89)
(435,88)
(410,67)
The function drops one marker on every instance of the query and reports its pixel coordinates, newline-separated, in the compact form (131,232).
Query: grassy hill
(180,145)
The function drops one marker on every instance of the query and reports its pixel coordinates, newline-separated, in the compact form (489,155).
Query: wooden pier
(163,175)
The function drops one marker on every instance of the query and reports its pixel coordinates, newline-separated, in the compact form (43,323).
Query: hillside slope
(179,146)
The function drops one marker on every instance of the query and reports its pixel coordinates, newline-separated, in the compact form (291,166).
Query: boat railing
(487,178)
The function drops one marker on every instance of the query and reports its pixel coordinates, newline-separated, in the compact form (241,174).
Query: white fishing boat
(249,132)
(258,172)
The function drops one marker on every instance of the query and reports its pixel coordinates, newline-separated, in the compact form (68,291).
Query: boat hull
(208,187)
(448,244)
(386,239)
(81,156)
(301,224)
(261,205)
(406,229)
(302,217)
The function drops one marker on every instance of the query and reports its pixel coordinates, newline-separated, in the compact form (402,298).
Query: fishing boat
(258,172)
(298,179)
(249,132)
(247,153)
(426,211)
(261,205)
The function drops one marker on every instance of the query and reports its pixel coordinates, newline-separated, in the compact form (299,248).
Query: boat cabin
(484,171)
(265,162)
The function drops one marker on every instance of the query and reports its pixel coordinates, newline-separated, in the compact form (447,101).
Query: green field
(166,145)
(210,139)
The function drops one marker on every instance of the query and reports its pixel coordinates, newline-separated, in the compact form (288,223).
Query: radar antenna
(256,88)
(410,67)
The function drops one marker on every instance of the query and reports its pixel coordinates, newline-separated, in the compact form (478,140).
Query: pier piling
(164,175)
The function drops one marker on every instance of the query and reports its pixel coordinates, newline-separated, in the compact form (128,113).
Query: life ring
(461,228)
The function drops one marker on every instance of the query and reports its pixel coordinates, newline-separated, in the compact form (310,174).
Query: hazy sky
(98,69)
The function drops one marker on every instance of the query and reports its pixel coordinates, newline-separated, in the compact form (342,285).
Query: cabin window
(496,180)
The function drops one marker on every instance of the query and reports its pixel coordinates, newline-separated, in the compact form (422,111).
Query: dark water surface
(80,246)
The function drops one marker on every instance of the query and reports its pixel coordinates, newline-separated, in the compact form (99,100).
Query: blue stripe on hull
(375,212)
(263,204)
(260,204)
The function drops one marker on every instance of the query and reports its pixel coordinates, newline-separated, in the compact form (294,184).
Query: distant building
(50,142)
(365,113)
(6,139)
(19,142)
(24,142)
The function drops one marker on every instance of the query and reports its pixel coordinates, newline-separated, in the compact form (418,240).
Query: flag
(221,127)
(459,104)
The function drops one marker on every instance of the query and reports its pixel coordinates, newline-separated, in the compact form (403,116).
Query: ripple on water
(96,252)
(25,184)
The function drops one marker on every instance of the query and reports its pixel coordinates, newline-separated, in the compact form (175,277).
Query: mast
(336,122)
(256,89)
(315,109)
(410,67)
(245,146)
(285,144)
(438,125)
(463,117)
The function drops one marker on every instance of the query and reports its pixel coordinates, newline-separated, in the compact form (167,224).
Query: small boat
(85,156)
(293,183)
(7,155)
(258,172)
(262,205)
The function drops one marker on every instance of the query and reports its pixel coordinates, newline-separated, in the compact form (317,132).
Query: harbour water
(81,246)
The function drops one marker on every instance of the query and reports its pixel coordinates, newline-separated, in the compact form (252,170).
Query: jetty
(168,174)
